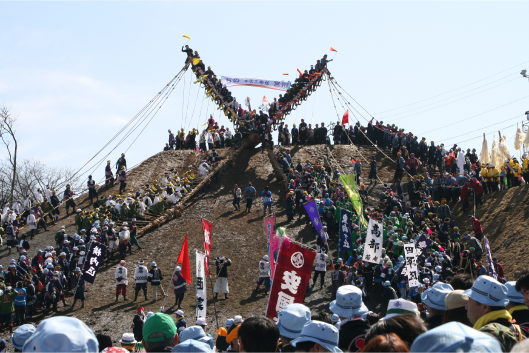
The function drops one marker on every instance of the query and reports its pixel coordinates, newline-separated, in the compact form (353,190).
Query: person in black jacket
(138,322)
(155,279)
(55,202)
(221,284)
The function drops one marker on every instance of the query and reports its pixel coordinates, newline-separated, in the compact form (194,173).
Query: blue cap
(292,319)
(512,294)
(348,302)
(21,335)
(455,337)
(51,336)
(320,332)
(387,283)
(228,323)
(488,291)
(192,346)
(193,333)
(434,297)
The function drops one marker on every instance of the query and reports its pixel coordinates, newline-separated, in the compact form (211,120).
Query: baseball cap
(292,319)
(158,327)
(192,346)
(488,291)
(51,336)
(455,337)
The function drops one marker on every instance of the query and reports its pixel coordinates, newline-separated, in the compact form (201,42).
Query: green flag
(349,184)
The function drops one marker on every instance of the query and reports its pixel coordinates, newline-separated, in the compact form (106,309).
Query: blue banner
(312,212)
(346,239)
(94,258)
(422,245)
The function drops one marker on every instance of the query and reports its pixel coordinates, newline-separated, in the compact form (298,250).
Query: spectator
(51,336)
(518,310)
(434,300)
(249,193)
(104,341)
(290,324)
(267,201)
(406,327)
(350,308)
(21,335)
(159,333)
(237,197)
(258,334)
(455,308)
(455,337)
(462,281)
(317,336)
(487,311)
(388,342)
(194,333)
(192,346)
(522,285)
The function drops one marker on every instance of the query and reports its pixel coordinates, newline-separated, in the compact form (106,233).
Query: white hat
(266,258)
(179,312)
(512,294)
(348,302)
(322,333)
(292,319)
(435,295)
(128,338)
(401,307)
(237,319)
(488,291)
(178,269)
(201,321)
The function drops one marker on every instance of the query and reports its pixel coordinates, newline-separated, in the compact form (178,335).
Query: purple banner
(422,245)
(492,270)
(94,258)
(312,212)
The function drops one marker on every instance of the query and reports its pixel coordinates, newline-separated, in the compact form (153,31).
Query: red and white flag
(292,276)
(208,232)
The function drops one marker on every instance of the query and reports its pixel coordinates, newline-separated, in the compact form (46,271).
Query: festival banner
(230,81)
(346,240)
(293,269)
(95,257)
(411,264)
(422,245)
(201,295)
(373,244)
(207,227)
(492,270)
(312,212)
(349,184)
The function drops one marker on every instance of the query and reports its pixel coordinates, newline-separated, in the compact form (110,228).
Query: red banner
(208,232)
(292,276)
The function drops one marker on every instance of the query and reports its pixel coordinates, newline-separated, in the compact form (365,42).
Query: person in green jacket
(7,307)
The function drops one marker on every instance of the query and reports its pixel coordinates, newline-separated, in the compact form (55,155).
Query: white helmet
(266,258)
(153,264)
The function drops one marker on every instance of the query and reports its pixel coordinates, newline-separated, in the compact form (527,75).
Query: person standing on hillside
(373,175)
(140,277)
(122,162)
(267,201)
(109,176)
(249,192)
(264,274)
(221,284)
(92,192)
(122,177)
(121,280)
(155,279)
(68,198)
(237,197)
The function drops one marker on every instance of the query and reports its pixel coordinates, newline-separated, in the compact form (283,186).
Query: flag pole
(214,301)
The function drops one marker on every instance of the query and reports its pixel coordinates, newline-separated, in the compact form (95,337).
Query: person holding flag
(180,286)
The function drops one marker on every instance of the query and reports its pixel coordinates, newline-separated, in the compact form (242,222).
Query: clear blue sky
(76,72)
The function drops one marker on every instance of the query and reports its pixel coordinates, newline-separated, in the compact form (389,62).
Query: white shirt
(121,272)
(40,197)
(48,193)
(321,262)
(27,203)
(264,268)
(228,135)
(32,221)
(140,274)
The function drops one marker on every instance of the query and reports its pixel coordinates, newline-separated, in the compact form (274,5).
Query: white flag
(411,264)
(202,298)
(373,244)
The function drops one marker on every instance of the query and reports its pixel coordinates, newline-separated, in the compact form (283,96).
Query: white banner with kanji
(411,264)
(229,81)
(373,245)
(202,298)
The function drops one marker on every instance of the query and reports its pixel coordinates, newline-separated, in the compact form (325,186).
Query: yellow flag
(186,36)
(196,61)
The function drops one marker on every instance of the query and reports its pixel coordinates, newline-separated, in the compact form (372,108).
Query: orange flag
(264,100)
(301,74)
(183,258)
(285,74)
(332,49)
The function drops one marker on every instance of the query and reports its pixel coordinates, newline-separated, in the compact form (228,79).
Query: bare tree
(8,136)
